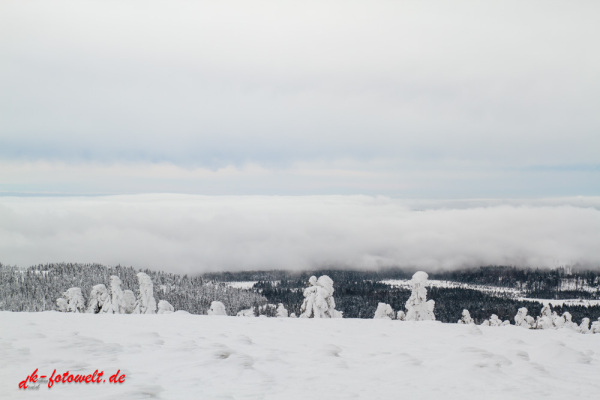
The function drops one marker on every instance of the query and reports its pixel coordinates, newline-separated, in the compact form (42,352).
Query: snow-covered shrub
(246,313)
(99,300)
(146,303)
(466,318)
(486,322)
(401,316)
(217,308)
(384,311)
(74,299)
(293,315)
(318,299)
(117,301)
(164,307)
(282,312)
(417,306)
(128,305)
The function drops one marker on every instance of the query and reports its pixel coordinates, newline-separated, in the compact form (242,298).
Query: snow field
(183,356)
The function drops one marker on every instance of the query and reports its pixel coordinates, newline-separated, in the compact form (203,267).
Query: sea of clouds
(193,234)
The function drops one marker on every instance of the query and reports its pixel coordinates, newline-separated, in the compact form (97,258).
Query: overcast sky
(401,99)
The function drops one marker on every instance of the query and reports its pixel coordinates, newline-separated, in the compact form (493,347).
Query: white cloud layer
(191,234)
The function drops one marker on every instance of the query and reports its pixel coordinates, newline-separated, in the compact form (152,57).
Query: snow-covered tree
(117,301)
(417,306)
(318,299)
(495,321)
(146,303)
(384,311)
(524,320)
(282,312)
(74,299)
(544,321)
(585,326)
(466,318)
(401,316)
(164,307)
(99,300)
(557,320)
(128,306)
(62,304)
(596,326)
(217,308)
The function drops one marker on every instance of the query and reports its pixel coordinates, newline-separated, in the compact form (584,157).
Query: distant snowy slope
(405,283)
(183,356)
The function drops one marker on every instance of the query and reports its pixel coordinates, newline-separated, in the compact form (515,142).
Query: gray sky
(407,98)
(321,122)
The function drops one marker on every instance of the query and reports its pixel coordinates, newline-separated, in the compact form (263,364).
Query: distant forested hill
(38,287)
(357,293)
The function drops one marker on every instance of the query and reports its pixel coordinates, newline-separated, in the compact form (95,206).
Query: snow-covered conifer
(128,306)
(595,326)
(116,292)
(318,299)
(521,318)
(544,321)
(217,308)
(417,306)
(99,300)
(164,307)
(495,321)
(75,301)
(584,327)
(524,320)
(557,320)
(146,303)
(466,318)
(384,311)
(62,304)
(282,312)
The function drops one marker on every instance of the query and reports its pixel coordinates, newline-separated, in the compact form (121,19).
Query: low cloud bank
(193,234)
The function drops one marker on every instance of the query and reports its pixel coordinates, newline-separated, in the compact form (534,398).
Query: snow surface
(500,291)
(184,356)
(563,302)
(405,283)
(241,284)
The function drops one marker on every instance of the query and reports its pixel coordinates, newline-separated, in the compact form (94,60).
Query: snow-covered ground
(183,356)
(563,302)
(501,291)
(241,284)
(405,283)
